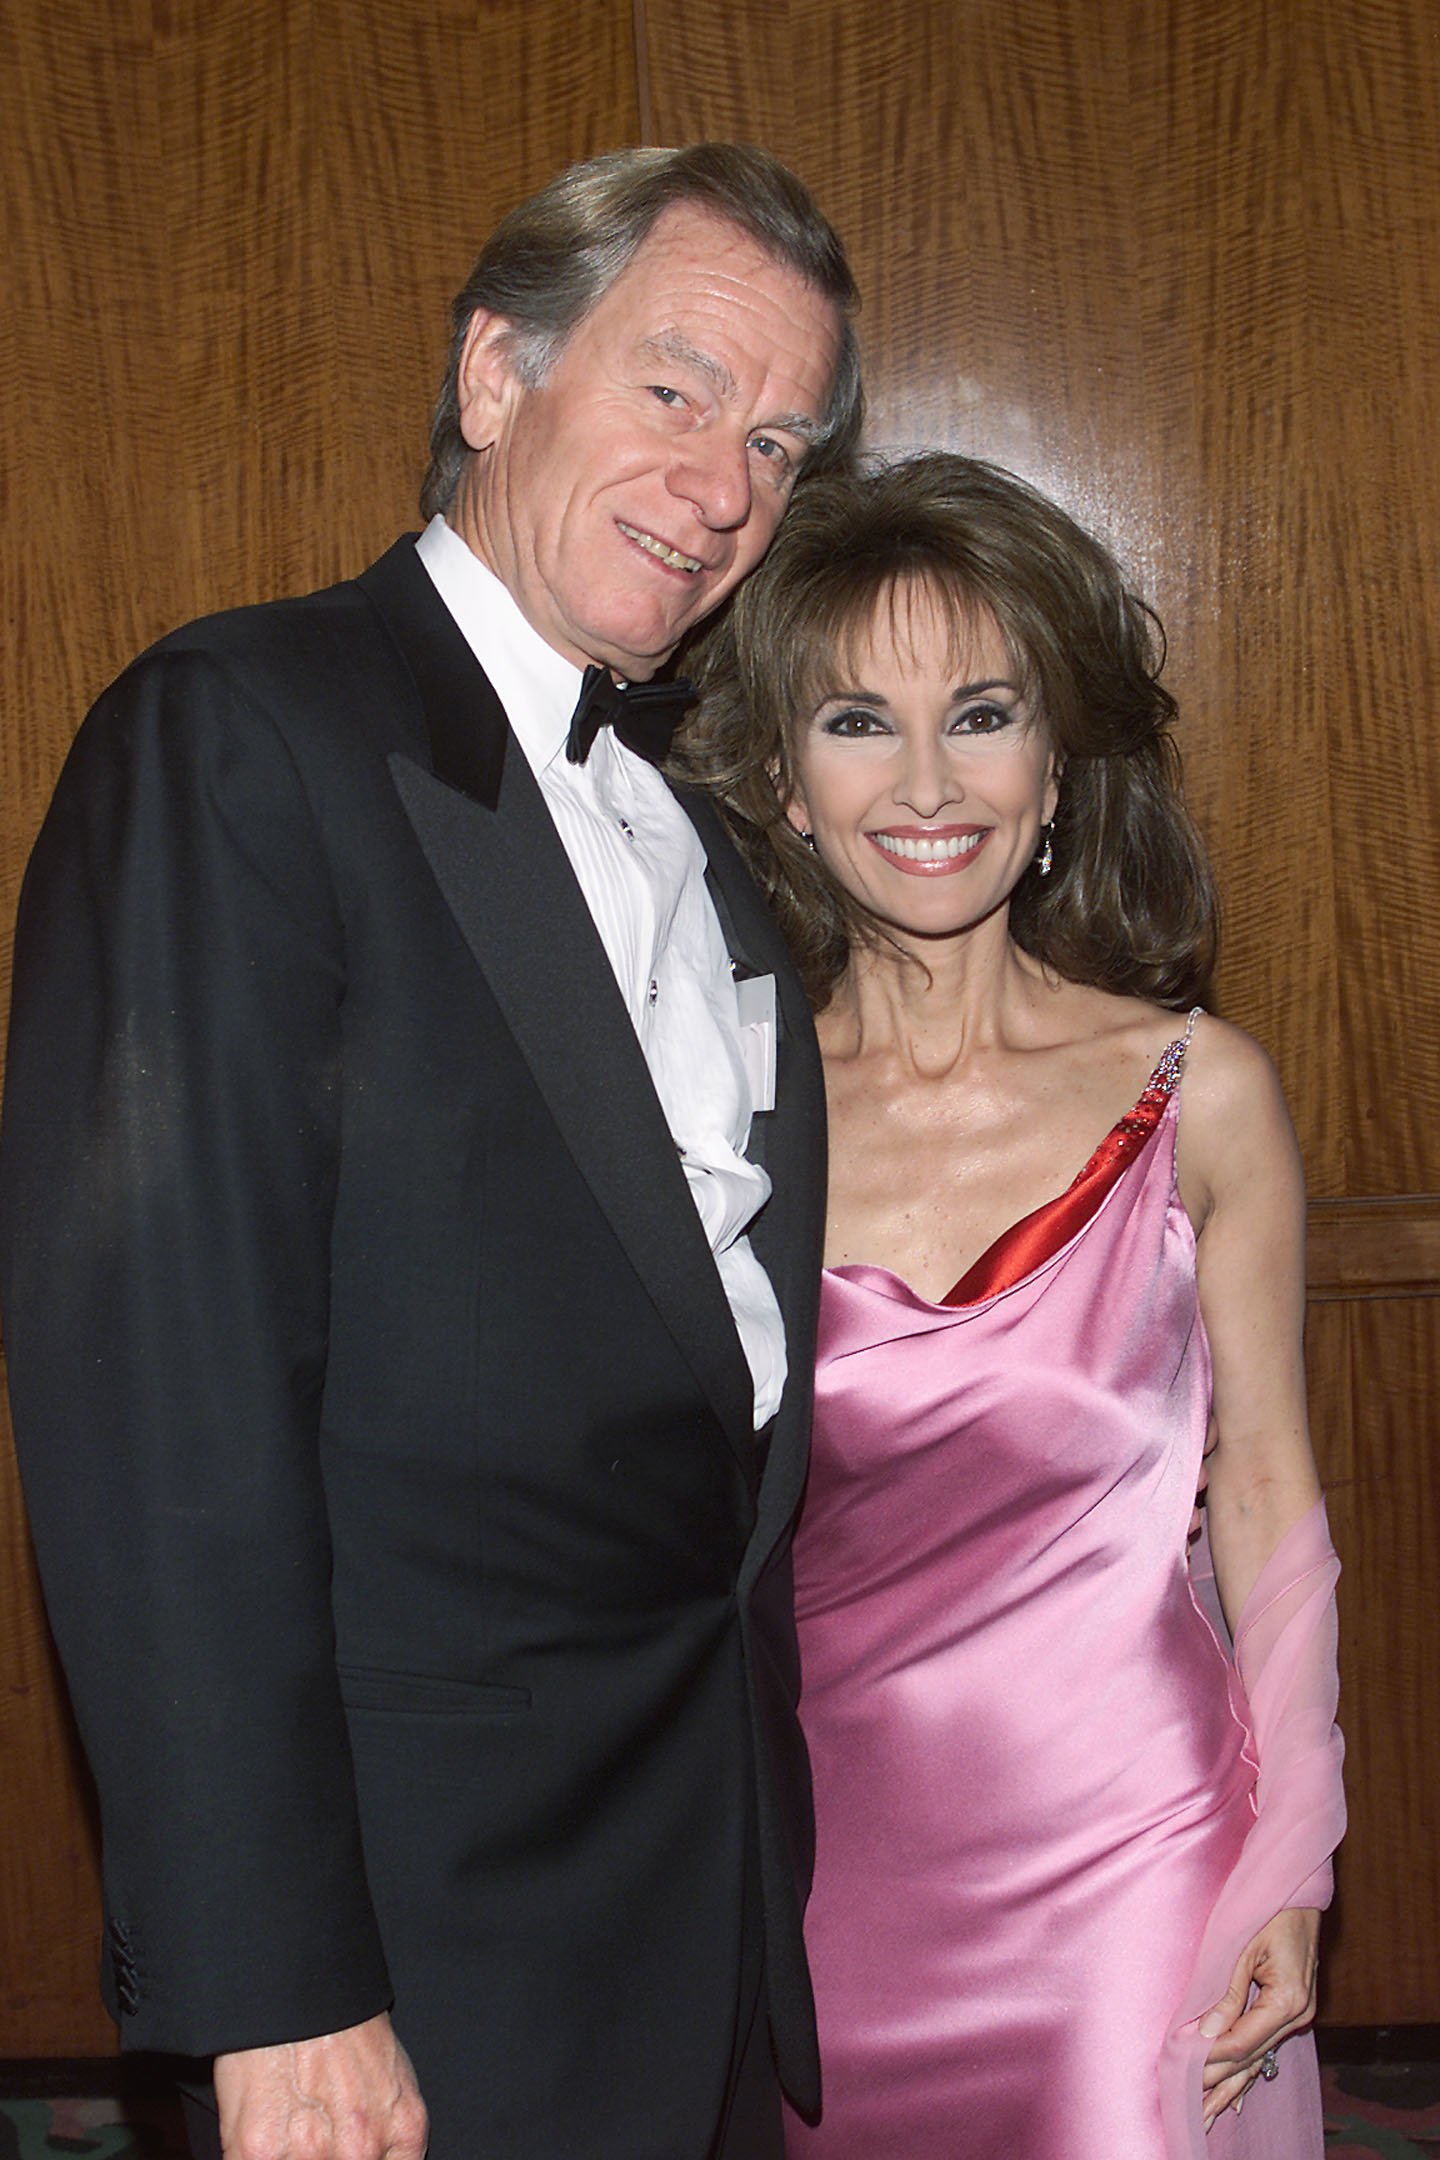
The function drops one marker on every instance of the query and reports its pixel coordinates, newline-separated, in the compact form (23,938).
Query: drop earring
(1047,853)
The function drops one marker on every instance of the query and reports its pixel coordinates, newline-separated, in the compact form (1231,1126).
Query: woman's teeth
(941,847)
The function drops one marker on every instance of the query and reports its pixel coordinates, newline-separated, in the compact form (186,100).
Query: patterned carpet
(109,2129)
(1389,2110)
(1392,2109)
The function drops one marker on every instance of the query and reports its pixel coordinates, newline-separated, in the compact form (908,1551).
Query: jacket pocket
(421,1695)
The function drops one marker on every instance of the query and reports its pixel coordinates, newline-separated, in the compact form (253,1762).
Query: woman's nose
(928,781)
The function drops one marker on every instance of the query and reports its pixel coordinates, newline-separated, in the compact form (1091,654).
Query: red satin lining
(1037,1237)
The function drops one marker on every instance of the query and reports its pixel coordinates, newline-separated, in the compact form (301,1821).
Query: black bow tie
(644,715)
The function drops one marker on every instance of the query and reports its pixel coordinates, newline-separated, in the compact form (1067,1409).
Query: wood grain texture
(1372,145)
(1374,1248)
(1375,1371)
(232,234)
(49,1880)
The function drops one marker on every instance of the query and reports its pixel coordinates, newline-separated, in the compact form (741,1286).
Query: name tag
(755,1002)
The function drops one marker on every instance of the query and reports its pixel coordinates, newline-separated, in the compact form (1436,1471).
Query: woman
(1049,1878)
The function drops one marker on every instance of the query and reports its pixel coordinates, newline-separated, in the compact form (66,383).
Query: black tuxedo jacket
(421,1583)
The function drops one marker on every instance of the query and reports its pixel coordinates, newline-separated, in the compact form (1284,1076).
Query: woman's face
(923,774)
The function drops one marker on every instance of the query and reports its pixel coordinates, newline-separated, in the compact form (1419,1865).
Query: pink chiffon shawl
(1285,1656)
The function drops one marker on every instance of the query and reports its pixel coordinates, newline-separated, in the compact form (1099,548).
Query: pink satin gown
(1030,1753)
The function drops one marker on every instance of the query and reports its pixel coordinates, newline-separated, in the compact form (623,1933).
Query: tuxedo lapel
(788,1233)
(492,846)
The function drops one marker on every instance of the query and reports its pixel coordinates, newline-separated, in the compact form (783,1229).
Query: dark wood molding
(1374,1248)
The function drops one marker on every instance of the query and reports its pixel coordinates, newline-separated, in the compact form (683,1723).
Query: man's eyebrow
(674,345)
(802,424)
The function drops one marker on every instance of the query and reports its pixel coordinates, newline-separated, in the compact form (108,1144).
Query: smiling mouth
(927,847)
(660,549)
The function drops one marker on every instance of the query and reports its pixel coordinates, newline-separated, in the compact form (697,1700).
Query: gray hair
(547,264)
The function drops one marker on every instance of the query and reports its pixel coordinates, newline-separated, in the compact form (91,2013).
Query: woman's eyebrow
(961,690)
(868,697)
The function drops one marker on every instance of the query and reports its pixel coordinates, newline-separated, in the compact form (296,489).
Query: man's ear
(485,382)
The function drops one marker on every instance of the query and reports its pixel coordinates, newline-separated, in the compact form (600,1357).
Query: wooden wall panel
(49,1878)
(1177,261)
(1374,1370)
(232,231)
(1372,143)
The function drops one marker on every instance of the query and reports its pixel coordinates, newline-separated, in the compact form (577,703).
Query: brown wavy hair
(1130,905)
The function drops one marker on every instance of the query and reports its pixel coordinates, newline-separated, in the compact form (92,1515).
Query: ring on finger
(1269,2068)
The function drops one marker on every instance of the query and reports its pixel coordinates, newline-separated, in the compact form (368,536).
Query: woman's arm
(1239,1157)
(1241,1177)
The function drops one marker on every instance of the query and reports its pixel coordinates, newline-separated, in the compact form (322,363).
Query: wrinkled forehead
(693,253)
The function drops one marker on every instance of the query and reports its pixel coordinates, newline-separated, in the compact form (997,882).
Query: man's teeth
(943,847)
(668,555)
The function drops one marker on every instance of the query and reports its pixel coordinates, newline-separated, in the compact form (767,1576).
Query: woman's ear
(793,804)
(796,814)
(1052,789)
(485,382)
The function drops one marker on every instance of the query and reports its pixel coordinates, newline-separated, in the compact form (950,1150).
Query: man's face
(627,495)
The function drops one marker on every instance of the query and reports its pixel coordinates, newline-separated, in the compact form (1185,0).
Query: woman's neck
(930,1005)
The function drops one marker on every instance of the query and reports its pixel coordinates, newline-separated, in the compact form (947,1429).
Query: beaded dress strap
(1129,1134)
(1037,1237)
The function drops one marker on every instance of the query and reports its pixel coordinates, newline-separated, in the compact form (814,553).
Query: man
(409,1368)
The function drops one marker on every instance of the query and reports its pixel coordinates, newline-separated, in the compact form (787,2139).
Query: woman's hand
(1280,1964)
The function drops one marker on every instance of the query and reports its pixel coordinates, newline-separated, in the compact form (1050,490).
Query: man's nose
(712,473)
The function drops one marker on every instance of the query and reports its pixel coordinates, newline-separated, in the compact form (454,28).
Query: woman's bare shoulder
(1229,1074)
(1236,1136)
(1224,1065)
(1126,1031)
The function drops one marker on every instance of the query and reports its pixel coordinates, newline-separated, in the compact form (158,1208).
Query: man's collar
(536,685)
